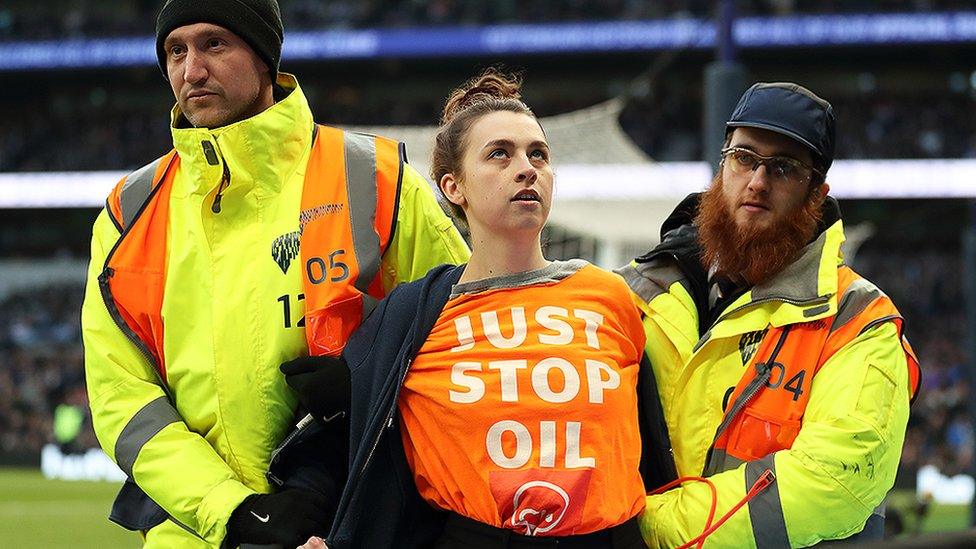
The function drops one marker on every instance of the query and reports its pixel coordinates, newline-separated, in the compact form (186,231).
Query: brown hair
(491,91)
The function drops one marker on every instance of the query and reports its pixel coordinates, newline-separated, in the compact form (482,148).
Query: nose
(194,68)
(527,172)
(759,179)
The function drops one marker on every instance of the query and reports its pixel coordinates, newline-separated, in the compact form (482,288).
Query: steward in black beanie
(257,22)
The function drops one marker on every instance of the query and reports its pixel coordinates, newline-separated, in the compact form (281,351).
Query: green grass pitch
(36,512)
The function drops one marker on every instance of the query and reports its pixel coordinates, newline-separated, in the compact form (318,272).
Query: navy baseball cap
(791,110)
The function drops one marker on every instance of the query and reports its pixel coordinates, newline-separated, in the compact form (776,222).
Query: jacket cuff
(216,507)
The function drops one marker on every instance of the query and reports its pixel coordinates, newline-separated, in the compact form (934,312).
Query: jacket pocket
(757,435)
(328,328)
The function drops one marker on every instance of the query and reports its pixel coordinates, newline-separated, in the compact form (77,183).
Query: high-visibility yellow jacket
(232,314)
(831,473)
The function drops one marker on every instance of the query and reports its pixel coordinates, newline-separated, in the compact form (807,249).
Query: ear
(451,188)
(819,193)
(822,192)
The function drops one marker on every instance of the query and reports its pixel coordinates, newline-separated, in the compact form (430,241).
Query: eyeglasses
(780,168)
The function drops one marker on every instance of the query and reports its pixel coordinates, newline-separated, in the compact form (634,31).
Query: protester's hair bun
(491,84)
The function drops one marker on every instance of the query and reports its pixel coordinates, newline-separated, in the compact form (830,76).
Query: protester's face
(216,76)
(755,199)
(505,185)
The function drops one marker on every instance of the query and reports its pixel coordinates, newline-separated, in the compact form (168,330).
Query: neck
(491,257)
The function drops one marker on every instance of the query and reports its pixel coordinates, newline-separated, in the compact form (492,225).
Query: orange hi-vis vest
(348,211)
(766,409)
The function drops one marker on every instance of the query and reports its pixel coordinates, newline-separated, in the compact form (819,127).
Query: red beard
(753,253)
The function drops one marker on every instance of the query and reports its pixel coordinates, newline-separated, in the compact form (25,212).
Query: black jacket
(380,505)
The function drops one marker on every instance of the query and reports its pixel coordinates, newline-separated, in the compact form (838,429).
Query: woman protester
(495,404)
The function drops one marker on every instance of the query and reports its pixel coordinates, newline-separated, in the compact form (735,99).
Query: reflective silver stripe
(766,510)
(362,193)
(721,461)
(135,191)
(856,298)
(148,421)
(814,311)
(649,280)
(882,320)
(185,527)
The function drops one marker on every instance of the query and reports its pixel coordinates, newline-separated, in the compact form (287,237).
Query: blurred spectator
(28,20)
(41,367)
(124,126)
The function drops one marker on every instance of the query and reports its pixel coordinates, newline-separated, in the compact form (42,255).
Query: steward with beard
(782,372)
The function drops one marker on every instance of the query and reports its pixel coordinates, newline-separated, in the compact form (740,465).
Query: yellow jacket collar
(267,146)
(806,289)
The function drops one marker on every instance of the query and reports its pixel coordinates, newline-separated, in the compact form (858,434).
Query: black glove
(322,384)
(288,518)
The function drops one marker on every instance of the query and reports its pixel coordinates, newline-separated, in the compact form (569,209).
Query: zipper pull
(106,274)
(212,153)
(224,183)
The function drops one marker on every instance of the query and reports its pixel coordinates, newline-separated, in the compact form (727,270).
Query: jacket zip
(386,424)
(798,302)
(412,342)
(295,433)
(224,181)
(751,391)
(387,421)
(103,278)
(113,312)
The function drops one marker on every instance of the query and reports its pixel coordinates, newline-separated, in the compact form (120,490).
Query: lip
(527,195)
(199,94)
(754,206)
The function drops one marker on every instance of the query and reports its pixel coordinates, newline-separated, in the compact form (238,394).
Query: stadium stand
(121,128)
(60,19)
(41,367)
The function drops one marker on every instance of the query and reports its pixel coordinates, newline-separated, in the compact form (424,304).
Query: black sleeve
(657,466)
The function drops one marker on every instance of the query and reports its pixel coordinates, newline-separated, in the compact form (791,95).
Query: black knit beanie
(257,22)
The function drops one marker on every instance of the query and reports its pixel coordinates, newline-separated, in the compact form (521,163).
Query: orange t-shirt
(520,410)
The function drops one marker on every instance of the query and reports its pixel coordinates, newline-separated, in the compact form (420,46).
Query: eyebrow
(511,144)
(213,32)
(775,154)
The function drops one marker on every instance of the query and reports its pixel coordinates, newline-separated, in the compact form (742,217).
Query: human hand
(286,518)
(321,382)
(314,543)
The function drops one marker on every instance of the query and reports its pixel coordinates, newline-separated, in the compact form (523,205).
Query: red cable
(711,486)
(763,482)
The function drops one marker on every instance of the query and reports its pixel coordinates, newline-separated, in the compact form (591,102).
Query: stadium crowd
(41,360)
(873,125)
(112,131)
(41,367)
(25,20)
